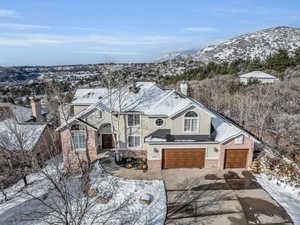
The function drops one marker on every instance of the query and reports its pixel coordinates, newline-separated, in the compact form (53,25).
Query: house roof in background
(258,74)
(89,95)
(13,135)
(22,113)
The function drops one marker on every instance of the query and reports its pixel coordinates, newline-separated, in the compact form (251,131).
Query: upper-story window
(78,137)
(191,121)
(134,120)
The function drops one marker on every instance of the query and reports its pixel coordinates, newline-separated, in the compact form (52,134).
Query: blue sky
(50,32)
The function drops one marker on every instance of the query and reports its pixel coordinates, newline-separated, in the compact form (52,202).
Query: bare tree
(14,144)
(117,95)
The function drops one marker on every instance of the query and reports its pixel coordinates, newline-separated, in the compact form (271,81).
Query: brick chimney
(36,109)
(184,88)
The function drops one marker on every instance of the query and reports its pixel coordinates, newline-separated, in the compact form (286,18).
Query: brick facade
(73,160)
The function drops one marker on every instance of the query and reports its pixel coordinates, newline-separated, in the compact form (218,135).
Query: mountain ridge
(259,44)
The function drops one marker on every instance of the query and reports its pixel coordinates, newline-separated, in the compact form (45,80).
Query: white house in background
(263,77)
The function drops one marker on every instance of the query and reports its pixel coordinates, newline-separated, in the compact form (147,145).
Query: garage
(236,158)
(183,158)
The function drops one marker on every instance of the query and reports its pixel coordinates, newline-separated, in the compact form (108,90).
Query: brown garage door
(183,158)
(236,158)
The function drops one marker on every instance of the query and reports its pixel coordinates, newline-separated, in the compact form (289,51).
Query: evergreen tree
(280,61)
(254,64)
(297,57)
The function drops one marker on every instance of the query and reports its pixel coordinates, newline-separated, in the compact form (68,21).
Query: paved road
(219,198)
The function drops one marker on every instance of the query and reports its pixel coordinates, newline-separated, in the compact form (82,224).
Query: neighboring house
(22,113)
(25,130)
(260,76)
(20,142)
(163,126)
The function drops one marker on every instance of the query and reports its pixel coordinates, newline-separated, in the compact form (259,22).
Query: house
(20,142)
(260,76)
(163,126)
(25,135)
(22,113)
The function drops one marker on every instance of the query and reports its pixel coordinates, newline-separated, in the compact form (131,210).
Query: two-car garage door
(183,158)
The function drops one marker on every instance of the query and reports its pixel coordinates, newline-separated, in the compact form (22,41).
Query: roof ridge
(164,98)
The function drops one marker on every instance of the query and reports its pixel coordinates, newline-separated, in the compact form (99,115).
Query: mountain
(178,54)
(259,44)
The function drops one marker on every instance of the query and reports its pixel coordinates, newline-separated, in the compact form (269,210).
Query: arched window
(191,122)
(78,137)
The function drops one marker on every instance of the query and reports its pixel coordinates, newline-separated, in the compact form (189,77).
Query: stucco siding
(154,152)
(204,126)
(79,108)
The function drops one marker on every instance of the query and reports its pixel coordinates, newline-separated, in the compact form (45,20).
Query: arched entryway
(105,131)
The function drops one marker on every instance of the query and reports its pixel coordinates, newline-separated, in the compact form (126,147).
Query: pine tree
(280,61)
(297,57)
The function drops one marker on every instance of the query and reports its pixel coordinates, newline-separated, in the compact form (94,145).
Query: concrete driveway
(230,197)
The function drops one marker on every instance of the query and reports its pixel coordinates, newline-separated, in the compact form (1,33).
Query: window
(133,120)
(159,122)
(78,137)
(191,121)
(239,140)
(134,141)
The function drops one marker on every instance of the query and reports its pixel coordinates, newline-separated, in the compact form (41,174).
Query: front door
(107,141)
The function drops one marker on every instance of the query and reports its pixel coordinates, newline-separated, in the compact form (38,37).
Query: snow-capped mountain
(178,54)
(259,44)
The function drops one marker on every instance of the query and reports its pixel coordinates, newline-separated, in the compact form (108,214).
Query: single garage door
(183,158)
(236,158)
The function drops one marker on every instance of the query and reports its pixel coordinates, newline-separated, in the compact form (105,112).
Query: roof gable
(15,137)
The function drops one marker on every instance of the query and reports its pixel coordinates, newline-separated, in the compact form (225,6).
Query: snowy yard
(116,201)
(287,196)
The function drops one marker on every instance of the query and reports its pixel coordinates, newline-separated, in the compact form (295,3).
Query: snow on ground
(125,201)
(134,193)
(37,184)
(288,197)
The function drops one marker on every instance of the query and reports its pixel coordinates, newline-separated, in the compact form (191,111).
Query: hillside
(259,44)
(179,54)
